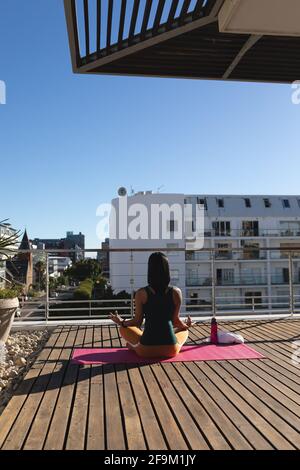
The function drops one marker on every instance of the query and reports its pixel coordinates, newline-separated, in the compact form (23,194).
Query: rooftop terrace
(199,405)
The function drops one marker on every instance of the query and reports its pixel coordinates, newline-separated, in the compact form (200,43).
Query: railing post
(253,305)
(213,284)
(47,289)
(90,308)
(291,284)
(131,286)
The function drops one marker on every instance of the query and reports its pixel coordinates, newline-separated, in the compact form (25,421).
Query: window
(250,228)
(253,298)
(251,250)
(298,200)
(220,203)
(267,203)
(202,202)
(286,203)
(224,251)
(221,229)
(247,202)
(225,277)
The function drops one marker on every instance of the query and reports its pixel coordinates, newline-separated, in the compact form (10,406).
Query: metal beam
(246,47)
(147,43)
(71,19)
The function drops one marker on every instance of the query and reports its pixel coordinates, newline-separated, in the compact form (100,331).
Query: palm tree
(7,243)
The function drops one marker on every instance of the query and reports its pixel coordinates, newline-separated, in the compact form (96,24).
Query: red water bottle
(214,331)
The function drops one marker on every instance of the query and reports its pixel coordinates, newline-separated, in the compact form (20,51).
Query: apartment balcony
(243,281)
(236,281)
(197,256)
(283,280)
(263,233)
(198,281)
(227,255)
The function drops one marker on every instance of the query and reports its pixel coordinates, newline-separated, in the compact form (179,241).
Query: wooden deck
(205,405)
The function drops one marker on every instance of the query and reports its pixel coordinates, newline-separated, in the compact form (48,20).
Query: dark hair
(158,272)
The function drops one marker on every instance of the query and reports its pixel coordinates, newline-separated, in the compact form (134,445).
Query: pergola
(245,40)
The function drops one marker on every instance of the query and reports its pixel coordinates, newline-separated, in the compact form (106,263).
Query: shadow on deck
(247,404)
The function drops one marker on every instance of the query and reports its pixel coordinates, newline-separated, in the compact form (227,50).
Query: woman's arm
(140,300)
(177,323)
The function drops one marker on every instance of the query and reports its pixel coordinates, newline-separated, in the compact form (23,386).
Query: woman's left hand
(115,317)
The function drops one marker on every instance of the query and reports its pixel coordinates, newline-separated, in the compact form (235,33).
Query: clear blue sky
(67,142)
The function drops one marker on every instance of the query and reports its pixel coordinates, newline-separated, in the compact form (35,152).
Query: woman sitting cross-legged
(159,304)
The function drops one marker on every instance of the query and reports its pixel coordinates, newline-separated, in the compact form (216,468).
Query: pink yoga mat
(206,352)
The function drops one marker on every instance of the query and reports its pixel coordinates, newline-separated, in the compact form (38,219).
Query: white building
(58,264)
(242,231)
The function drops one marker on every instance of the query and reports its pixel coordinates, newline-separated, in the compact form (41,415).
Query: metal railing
(268,293)
(252,233)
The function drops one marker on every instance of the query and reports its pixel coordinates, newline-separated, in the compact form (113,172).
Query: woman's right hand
(115,317)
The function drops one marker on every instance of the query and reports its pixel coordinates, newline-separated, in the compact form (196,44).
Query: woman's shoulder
(177,294)
(141,294)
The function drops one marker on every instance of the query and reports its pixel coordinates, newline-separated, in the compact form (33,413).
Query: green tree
(40,271)
(85,269)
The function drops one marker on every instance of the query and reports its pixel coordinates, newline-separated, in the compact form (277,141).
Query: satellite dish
(122,191)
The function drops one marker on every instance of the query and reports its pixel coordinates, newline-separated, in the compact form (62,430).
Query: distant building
(103,257)
(58,264)
(20,268)
(70,242)
(249,236)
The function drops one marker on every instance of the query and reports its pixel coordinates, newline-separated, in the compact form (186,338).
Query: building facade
(249,236)
(58,265)
(75,242)
(19,269)
(103,258)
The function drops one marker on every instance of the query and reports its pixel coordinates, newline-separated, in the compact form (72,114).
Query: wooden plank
(217,428)
(152,430)
(263,429)
(132,422)
(15,404)
(272,387)
(180,401)
(114,336)
(265,420)
(96,416)
(21,427)
(168,424)
(97,337)
(38,432)
(271,350)
(79,411)
(113,411)
(259,342)
(212,388)
(59,425)
(106,342)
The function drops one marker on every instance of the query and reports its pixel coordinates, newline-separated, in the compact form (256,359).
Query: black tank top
(158,312)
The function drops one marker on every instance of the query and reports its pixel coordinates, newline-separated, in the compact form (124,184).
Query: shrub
(9,293)
(85,290)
